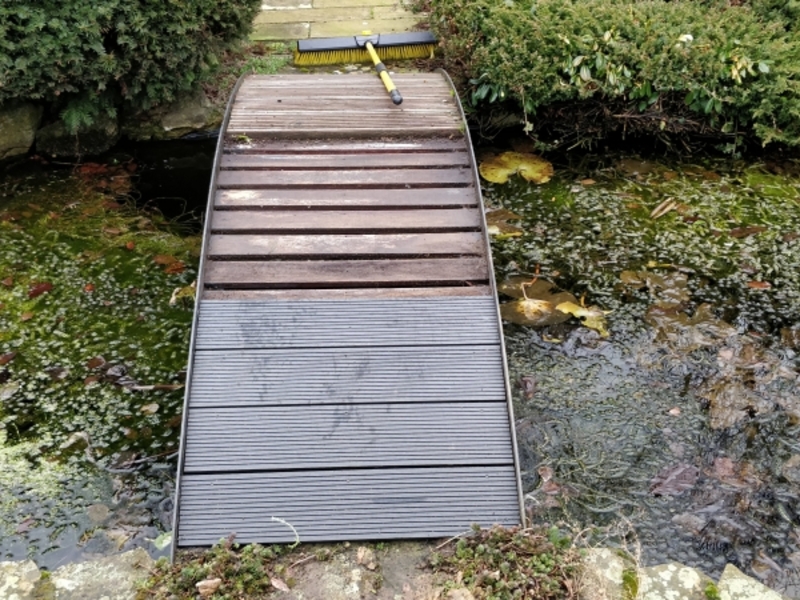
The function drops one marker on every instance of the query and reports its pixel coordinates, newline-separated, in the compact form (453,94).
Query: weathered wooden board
(223,247)
(350,198)
(341,221)
(328,162)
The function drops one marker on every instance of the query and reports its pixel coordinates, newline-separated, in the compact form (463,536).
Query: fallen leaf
(528,385)
(743,232)
(149,409)
(175,268)
(674,480)
(530,311)
(164,259)
(130,245)
(112,205)
(587,182)
(208,587)
(497,223)
(7,358)
(26,525)
(663,208)
(675,411)
(8,281)
(26,316)
(590,316)
(279,584)
(89,288)
(759,285)
(39,289)
(91,380)
(112,231)
(97,361)
(532,168)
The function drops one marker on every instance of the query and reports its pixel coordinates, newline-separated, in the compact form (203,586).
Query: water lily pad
(537,302)
(497,223)
(533,168)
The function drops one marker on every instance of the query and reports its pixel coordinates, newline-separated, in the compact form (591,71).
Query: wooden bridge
(347,375)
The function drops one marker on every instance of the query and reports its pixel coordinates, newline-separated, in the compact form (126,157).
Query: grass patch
(501,564)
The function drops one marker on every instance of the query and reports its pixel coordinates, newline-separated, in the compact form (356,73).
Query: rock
(672,581)
(601,575)
(366,557)
(18,125)
(18,580)
(460,594)
(55,140)
(735,585)
(110,578)
(189,113)
(97,513)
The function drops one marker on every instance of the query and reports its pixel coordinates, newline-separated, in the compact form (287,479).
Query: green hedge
(90,55)
(682,65)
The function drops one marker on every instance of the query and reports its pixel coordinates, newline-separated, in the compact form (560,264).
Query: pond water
(677,434)
(92,349)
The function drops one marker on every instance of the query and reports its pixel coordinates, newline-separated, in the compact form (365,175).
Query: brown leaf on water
(25,525)
(8,281)
(95,362)
(674,480)
(743,232)
(26,316)
(175,268)
(731,402)
(88,288)
(112,231)
(149,409)
(279,584)
(164,259)
(130,245)
(528,385)
(39,289)
(759,285)
(7,358)
(586,182)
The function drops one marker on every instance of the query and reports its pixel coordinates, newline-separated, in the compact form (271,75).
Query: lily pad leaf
(533,168)
(532,312)
(591,316)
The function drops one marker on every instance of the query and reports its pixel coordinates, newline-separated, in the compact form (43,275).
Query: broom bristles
(360,55)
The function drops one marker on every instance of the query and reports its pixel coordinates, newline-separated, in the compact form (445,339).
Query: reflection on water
(684,421)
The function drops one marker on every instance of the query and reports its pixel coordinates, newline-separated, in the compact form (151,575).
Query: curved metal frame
(487,243)
(212,192)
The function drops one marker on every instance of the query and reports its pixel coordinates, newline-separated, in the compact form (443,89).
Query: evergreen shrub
(697,66)
(84,57)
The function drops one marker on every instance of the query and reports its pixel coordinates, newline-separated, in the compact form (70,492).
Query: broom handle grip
(384,75)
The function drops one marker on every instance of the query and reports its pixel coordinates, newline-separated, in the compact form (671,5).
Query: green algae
(92,354)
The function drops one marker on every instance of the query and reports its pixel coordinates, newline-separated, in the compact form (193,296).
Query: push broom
(366,48)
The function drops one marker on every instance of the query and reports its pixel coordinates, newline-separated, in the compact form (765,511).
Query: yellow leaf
(591,316)
(499,168)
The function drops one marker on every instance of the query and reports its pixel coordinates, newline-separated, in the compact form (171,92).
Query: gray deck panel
(347,504)
(243,324)
(290,376)
(347,436)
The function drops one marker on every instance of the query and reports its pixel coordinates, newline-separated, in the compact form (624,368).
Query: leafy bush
(89,56)
(679,66)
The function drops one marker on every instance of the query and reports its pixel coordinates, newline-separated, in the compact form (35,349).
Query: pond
(674,433)
(93,347)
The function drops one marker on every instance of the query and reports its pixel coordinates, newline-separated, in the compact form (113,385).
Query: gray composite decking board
(317,376)
(345,161)
(225,324)
(386,503)
(347,436)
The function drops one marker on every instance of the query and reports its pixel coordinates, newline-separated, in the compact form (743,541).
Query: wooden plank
(347,198)
(340,246)
(343,273)
(327,146)
(289,376)
(346,221)
(345,178)
(348,293)
(350,131)
(347,436)
(343,161)
(345,504)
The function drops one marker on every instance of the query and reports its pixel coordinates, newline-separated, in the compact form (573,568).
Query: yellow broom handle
(384,74)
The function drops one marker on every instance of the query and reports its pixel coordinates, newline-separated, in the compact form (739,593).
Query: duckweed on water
(91,359)
(700,266)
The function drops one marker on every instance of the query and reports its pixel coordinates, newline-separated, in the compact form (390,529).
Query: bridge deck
(347,371)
